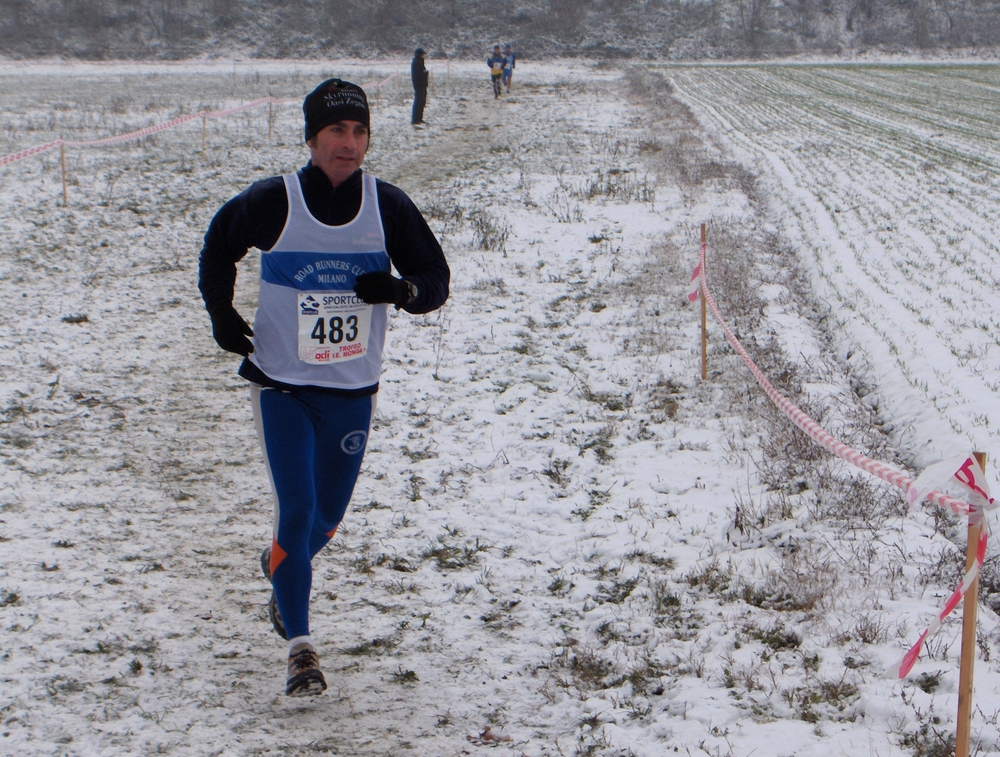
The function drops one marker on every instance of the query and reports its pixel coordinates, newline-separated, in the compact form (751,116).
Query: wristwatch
(411,291)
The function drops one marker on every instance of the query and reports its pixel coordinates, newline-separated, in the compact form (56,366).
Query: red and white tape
(967,472)
(29,152)
(695,285)
(134,134)
(963,469)
(20,155)
(238,108)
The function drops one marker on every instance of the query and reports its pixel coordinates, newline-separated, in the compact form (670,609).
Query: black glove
(381,286)
(229,329)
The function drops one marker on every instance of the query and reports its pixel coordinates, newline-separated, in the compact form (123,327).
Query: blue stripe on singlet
(312,271)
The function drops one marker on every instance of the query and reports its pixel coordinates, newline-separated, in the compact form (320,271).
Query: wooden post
(62,162)
(970,611)
(204,128)
(704,327)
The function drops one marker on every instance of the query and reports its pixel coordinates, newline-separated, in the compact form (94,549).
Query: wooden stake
(704,327)
(62,162)
(970,611)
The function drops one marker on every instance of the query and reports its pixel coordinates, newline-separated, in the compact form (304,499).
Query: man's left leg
(341,426)
(341,440)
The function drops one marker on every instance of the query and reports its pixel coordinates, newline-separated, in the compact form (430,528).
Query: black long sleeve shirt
(418,74)
(256,218)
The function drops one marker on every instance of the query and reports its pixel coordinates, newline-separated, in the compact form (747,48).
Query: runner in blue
(330,235)
(508,67)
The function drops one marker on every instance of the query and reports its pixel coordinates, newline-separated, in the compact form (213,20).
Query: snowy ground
(562,543)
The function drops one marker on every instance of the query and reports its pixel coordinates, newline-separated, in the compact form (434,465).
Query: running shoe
(305,679)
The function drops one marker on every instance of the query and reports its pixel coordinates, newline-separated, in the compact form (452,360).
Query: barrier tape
(238,108)
(967,472)
(814,430)
(132,135)
(695,283)
(13,157)
(30,151)
(902,668)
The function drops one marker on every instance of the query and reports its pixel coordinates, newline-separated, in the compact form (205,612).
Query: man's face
(496,50)
(339,148)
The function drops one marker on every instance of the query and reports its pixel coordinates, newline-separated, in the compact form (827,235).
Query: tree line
(657,29)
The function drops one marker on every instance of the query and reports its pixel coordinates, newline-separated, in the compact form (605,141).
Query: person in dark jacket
(329,236)
(420,77)
(496,63)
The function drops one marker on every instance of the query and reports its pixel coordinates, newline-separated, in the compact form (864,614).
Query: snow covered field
(889,178)
(562,542)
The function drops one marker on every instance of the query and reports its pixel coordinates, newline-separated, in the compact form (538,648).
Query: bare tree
(920,21)
(752,17)
(866,7)
(804,14)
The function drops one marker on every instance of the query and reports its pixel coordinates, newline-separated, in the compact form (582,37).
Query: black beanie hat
(334,100)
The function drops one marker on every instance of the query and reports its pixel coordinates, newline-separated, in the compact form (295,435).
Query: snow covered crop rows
(889,178)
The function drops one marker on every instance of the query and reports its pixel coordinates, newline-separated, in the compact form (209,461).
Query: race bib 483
(333,326)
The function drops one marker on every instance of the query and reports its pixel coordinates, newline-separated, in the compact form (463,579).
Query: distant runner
(496,63)
(508,67)
(329,234)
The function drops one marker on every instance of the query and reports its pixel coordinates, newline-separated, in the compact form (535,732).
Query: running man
(508,67)
(329,234)
(496,63)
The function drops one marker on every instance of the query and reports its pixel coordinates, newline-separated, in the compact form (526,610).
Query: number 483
(339,330)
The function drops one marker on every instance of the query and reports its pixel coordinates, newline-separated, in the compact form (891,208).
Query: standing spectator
(508,67)
(420,76)
(496,63)
(329,234)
